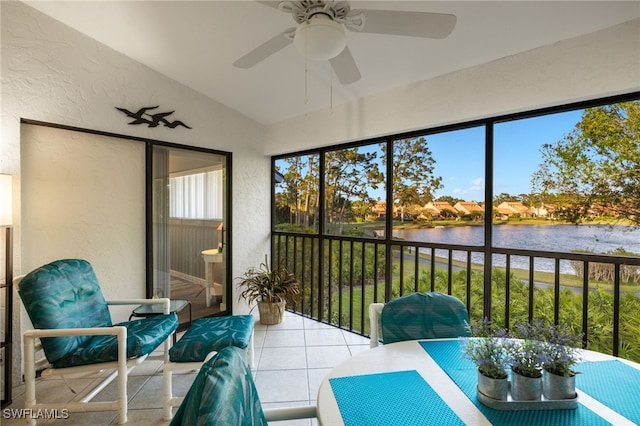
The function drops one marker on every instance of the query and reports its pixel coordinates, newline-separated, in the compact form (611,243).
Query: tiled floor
(291,360)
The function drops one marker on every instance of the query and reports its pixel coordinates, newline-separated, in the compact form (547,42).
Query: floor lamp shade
(6,212)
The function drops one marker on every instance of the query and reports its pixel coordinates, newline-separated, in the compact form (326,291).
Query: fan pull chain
(330,89)
(306,71)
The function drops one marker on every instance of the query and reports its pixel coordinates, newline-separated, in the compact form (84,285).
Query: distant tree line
(596,167)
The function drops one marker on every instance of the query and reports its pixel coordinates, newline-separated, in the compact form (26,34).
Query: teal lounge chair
(72,320)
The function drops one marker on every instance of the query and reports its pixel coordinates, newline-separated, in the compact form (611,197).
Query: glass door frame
(227,236)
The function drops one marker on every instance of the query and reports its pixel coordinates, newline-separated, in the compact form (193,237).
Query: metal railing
(340,276)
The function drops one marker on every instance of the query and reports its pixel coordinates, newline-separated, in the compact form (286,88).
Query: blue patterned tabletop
(405,398)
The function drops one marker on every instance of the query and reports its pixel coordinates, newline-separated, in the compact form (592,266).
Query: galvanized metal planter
(543,404)
(490,393)
(493,388)
(558,387)
(525,388)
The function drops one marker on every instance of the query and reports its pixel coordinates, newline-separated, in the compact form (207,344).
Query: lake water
(557,238)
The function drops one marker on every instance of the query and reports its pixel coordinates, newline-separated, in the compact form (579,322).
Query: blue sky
(459,155)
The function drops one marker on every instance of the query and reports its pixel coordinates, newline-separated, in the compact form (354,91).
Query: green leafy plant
(263,284)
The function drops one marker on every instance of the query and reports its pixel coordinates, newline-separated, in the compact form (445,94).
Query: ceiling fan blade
(266,49)
(271,3)
(414,24)
(345,67)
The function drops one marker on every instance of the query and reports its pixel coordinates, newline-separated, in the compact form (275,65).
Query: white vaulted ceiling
(196,42)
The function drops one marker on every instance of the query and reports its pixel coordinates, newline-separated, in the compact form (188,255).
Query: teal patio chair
(224,393)
(418,316)
(72,320)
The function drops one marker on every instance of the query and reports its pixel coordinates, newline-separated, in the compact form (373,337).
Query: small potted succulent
(270,289)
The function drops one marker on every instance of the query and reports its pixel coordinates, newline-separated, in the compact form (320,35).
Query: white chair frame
(122,367)
(375,310)
(169,400)
(290,413)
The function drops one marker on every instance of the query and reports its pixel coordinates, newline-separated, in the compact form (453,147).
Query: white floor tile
(282,359)
(258,337)
(290,322)
(282,386)
(316,375)
(322,337)
(283,338)
(310,324)
(326,356)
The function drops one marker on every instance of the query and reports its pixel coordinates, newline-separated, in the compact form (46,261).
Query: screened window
(296,193)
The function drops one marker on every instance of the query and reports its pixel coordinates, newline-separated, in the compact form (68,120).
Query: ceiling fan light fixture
(320,38)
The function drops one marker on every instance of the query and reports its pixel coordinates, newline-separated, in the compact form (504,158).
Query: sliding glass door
(143,212)
(189,227)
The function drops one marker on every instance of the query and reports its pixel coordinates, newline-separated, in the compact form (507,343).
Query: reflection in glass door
(189,228)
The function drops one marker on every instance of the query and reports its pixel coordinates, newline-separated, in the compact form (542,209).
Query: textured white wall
(600,64)
(81,198)
(54,74)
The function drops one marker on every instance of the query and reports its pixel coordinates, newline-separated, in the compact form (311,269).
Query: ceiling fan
(320,34)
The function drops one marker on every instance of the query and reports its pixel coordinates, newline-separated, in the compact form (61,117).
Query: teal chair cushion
(223,393)
(64,294)
(424,316)
(212,334)
(143,337)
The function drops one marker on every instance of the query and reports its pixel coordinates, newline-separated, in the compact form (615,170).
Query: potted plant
(526,368)
(526,363)
(561,354)
(270,289)
(489,350)
(559,351)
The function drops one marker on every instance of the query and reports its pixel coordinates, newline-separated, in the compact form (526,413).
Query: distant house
(598,209)
(380,209)
(406,212)
(439,209)
(544,210)
(507,209)
(468,207)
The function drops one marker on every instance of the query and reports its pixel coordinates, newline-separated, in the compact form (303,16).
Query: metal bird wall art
(152,120)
